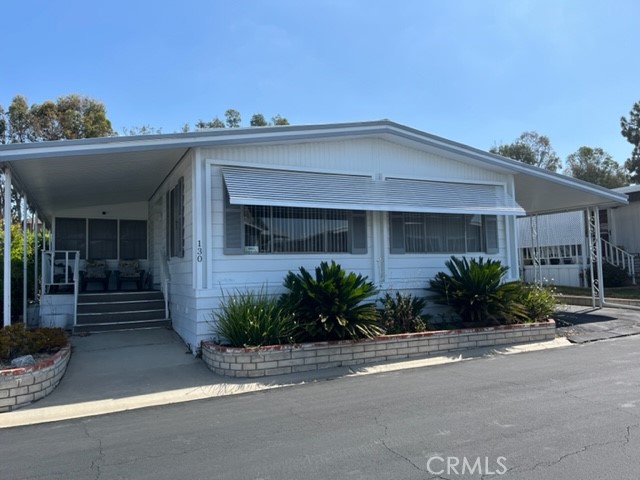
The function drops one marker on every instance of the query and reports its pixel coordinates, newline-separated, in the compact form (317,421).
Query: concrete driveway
(585,324)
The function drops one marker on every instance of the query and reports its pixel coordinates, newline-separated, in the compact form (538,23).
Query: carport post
(36,254)
(595,256)
(7,248)
(24,259)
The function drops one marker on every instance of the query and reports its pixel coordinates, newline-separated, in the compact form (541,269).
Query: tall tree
(596,166)
(631,131)
(531,148)
(215,123)
(258,120)
(232,118)
(279,120)
(19,120)
(69,117)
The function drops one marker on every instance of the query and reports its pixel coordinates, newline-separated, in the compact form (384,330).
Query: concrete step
(120,306)
(121,296)
(111,326)
(119,317)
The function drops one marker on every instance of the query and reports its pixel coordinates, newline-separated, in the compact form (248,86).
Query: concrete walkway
(118,371)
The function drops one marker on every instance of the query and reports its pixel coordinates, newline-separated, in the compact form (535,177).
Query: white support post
(7,248)
(595,256)
(36,255)
(25,271)
(535,250)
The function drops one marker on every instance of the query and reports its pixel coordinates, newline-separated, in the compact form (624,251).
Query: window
(133,239)
(443,233)
(103,238)
(266,229)
(71,234)
(175,220)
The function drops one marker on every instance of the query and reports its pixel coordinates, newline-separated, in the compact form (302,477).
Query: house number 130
(199,252)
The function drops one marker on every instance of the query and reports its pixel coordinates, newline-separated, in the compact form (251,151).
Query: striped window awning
(258,186)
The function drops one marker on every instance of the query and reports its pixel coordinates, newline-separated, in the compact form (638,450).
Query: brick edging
(282,359)
(22,385)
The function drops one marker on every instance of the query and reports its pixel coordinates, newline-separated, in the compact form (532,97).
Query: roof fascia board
(252,135)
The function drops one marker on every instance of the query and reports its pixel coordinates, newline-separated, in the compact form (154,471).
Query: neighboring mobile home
(210,212)
(562,241)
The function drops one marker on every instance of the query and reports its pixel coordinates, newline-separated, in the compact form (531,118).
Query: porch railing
(620,258)
(60,273)
(166,279)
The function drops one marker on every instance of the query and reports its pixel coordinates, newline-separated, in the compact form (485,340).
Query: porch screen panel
(133,239)
(71,234)
(103,238)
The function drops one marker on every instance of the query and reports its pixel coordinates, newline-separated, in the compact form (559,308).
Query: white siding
(182,302)
(366,156)
(197,288)
(624,223)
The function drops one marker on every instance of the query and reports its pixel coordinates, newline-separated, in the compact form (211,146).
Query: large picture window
(264,229)
(443,233)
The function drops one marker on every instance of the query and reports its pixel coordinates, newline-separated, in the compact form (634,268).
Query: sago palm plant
(474,289)
(330,305)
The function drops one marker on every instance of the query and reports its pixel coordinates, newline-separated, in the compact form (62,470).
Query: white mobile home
(199,214)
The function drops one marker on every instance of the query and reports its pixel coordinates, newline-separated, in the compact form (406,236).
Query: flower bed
(282,359)
(23,385)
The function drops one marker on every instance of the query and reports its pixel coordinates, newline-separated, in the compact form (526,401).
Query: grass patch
(631,292)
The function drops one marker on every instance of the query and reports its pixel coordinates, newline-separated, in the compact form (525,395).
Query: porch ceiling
(93,179)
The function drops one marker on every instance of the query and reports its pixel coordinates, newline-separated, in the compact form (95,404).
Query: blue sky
(478,72)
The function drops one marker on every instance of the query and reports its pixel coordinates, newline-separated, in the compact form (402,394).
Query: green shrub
(475,291)
(15,340)
(538,301)
(403,313)
(252,319)
(332,305)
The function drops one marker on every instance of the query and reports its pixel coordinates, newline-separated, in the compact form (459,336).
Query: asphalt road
(568,413)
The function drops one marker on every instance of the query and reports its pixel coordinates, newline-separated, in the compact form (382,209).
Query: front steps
(123,310)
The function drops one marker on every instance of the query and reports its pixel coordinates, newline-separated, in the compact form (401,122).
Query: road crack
(96,462)
(398,454)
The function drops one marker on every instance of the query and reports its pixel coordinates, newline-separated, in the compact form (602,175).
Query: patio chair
(96,272)
(129,271)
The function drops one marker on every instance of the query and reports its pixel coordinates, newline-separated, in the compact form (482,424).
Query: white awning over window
(256,186)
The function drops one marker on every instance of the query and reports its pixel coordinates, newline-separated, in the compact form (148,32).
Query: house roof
(67,173)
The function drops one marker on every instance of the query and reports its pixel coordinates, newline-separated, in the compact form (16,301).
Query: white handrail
(619,257)
(166,279)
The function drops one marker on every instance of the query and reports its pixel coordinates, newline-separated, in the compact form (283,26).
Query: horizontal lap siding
(375,157)
(366,156)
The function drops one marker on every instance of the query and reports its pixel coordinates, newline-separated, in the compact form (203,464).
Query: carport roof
(70,173)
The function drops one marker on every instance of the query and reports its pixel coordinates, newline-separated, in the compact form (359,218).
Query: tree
(596,166)
(215,123)
(232,118)
(531,148)
(69,117)
(279,120)
(631,131)
(257,120)
(142,130)
(19,120)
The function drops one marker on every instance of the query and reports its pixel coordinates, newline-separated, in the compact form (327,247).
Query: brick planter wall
(281,359)
(23,385)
